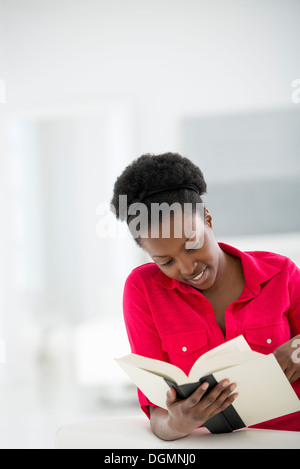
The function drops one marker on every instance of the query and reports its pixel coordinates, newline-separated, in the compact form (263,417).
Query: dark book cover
(224,422)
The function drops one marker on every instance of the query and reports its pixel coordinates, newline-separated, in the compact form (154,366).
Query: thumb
(171,397)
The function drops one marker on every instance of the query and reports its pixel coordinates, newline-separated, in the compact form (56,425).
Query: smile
(200,275)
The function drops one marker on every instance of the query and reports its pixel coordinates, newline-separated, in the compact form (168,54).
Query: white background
(91,85)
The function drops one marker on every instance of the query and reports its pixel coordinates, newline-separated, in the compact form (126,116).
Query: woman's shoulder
(149,267)
(143,272)
(273,258)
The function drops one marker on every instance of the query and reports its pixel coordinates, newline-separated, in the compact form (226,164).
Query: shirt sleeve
(142,333)
(294,292)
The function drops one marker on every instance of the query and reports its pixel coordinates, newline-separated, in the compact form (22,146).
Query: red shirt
(172,321)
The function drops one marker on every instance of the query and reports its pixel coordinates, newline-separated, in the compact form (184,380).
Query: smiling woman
(200,293)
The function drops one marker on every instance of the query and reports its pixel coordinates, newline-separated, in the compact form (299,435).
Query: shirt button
(184,349)
(269,341)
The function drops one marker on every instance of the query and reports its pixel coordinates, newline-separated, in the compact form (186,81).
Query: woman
(199,293)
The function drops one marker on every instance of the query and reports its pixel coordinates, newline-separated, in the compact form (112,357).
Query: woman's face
(186,258)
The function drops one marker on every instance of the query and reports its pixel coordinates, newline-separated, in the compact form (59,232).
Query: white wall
(3,199)
(171,58)
(144,66)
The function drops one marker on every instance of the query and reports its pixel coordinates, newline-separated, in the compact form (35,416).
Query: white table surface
(134,432)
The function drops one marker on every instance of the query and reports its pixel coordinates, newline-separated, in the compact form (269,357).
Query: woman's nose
(187,267)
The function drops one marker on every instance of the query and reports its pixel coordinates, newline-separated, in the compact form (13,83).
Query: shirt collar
(256,272)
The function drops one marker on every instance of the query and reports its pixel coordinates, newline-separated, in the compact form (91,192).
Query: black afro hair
(149,172)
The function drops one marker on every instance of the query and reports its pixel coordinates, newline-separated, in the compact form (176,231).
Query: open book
(264,391)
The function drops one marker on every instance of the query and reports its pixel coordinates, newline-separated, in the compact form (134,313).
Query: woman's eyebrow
(168,255)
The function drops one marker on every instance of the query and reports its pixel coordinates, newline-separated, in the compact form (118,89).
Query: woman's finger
(171,397)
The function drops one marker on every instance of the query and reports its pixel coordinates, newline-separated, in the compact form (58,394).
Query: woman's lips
(200,275)
(200,278)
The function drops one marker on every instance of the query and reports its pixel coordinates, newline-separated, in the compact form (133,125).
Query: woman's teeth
(200,275)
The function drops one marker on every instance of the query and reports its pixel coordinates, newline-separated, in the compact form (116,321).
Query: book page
(264,391)
(153,386)
(238,344)
(220,362)
(167,370)
(228,354)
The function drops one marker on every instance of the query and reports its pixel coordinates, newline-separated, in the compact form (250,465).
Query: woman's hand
(288,357)
(188,414)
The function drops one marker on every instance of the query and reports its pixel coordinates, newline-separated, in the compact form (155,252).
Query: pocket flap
(184,342)
(269,336)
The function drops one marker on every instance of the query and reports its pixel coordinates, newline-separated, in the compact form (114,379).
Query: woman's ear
(208,218)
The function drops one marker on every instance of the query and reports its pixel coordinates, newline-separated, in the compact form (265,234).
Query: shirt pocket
(265,339)
(184,348)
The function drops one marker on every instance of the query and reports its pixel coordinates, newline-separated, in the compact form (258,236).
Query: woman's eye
(167,263)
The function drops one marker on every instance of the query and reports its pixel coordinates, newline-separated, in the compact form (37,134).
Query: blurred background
(91,85)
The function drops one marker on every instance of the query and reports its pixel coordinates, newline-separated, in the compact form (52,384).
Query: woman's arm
(183,416)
